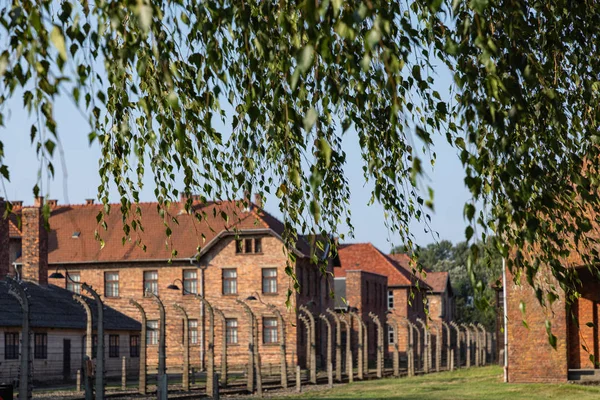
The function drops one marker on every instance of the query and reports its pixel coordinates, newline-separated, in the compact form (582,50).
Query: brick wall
(402,309)
(367,292)
(530,356)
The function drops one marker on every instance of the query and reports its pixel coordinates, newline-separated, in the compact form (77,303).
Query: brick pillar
(35,244)
(4,242)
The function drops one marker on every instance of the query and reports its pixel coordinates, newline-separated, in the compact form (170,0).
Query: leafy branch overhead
(155,76)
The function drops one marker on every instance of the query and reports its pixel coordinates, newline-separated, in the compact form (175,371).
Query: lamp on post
(99,329)
(162,375)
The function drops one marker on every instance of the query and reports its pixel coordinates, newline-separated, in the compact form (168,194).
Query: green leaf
(305,59)
(58,40)
(310,119)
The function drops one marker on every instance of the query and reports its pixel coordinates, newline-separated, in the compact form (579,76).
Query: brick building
(240,257)
(531,358)
(404,294)
(58,323)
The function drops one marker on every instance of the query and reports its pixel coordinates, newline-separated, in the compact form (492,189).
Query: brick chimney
(34,244)
(89,202)
(4,242)
(258,200)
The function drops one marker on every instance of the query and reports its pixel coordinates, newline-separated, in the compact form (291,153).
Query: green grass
(474,383)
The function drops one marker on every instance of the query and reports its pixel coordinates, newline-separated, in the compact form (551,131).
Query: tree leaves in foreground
(154,76)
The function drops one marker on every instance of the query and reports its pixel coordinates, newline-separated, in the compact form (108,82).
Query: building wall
(368,292)
(530,356)
(52,367)
(408,307)
(249,282)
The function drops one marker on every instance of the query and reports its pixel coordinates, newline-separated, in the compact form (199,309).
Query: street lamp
(99,329)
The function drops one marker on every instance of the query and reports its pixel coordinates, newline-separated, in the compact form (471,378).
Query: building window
(134,346)
(230,281)
(111,284)
(152,332)
(390,334)
(73,282)
(11,346)
(258,245)
(239,246)
(151,282)
(113,346)
(190,281)
(269,280)
(248,248)
(269,330)
(40,346)
(193,330)
(231,332)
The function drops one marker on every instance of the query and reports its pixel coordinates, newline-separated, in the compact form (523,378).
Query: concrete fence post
(475,337)
(78,386)
(329,340)
(223,375)
(449,357)
(377,323)
(185,378)
(438,347)
(298,379)
(458,347)
(143,363)
(210,353)
(361,338)
(426,348)
(396,355)
(467,344)
(313,344)
(87,384)
(124,373)
(347,319)
(338,345)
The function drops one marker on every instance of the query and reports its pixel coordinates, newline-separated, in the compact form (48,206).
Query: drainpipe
(504,283)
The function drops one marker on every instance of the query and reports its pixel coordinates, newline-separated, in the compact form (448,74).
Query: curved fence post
(449,354)
(475,337)
(467,344)
(426,348)
(377,322)
(483,345)
(338,345)
(143,389)
(18,292)
(438,346)
(88,344)
(329,355)
(347,320)
(313,344)
(282,352)
(185,379)
(458,346)
(361,338)
(223,346)
(396,356)
(210,353)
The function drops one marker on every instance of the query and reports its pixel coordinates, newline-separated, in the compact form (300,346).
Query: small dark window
(269,330)
(40,346)
(11,346)
(152,332)
(113,346)
(390,334)
(258,245)
(248,245)
(239,246)
(134,346)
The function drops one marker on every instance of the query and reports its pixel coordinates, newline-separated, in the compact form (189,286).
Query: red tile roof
(366,257)
(72,237)
(437,280)
(13,231)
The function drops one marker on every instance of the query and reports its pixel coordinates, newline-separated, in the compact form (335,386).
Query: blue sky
(79,180)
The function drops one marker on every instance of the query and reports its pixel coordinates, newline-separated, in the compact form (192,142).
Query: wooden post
(124,373)
(143,367)
(338,345)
